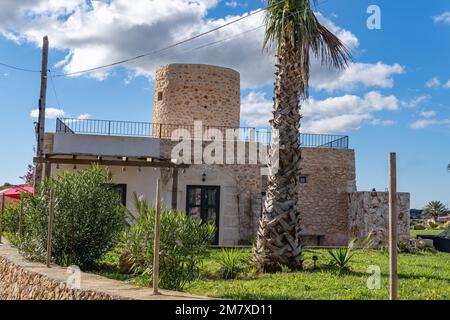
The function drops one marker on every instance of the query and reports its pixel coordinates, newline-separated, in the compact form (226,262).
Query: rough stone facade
(185,93)
(369,213)
(330,174)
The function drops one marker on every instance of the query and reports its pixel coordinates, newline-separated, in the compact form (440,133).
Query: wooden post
(40,130)
(175,188)
(20,223)
(393,226)
(48,169)
(156,241)
(50,229)
(1,217)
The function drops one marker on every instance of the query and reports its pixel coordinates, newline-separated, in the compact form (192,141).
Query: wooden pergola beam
(102,162)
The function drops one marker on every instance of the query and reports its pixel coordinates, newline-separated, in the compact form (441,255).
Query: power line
(18,68)
(170,46)
(54,91)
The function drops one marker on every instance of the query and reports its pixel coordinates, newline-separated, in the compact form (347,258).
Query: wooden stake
(175,189)
(40,130)
(393,226)
(1,217)
(50,229)
(156,241)
(21,222)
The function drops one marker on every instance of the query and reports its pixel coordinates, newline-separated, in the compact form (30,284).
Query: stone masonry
(185,93)
(368,213)
(21,279)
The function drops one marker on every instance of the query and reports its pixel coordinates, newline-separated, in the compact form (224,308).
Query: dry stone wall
(369,213)
(21,279)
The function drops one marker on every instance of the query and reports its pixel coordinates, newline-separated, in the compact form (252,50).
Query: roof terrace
(165,131)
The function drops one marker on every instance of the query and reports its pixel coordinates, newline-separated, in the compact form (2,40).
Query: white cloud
(256,110)
(428,114)
(420,124)
(447,84)
(382,122)
(443,18)
(50,113)
(84,116)
(99,32)
(433,83)
(335,114)
(416,101)
(235,4)
(53,113)
(358,74)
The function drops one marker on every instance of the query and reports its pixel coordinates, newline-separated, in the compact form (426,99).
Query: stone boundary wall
(369,212)
(24,280)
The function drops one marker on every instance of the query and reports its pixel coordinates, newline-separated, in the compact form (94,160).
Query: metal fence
(167,131)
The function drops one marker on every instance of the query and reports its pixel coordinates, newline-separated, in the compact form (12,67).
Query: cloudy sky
(395,95)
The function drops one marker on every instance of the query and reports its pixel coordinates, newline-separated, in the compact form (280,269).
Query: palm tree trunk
(278,239)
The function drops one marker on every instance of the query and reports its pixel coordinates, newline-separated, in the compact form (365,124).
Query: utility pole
(156,243)
(40,128)
(393,286)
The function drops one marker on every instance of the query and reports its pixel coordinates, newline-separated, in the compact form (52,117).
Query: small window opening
(302,179)
(160,96)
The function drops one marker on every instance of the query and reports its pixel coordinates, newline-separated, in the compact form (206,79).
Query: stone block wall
(21,279)
(330,175)
(188,92)
(369,213)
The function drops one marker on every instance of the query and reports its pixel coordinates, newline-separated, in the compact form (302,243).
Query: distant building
(230,194)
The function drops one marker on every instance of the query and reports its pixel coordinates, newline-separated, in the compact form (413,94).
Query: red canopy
(14,192)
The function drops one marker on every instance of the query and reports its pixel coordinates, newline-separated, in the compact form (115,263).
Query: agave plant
(342,256)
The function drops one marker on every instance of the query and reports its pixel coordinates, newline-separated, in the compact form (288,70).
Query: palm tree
(293,28)
(435,209)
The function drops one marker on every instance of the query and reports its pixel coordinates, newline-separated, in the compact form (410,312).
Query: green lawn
(413,233)
(421,276)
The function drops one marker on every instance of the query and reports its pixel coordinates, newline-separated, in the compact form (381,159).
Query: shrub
(10,223)
(231,263)
(88,218)
(419,227)
(183,244)
(341,256)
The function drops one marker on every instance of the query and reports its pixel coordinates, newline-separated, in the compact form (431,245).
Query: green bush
(88,218)
(10,223)
(231,263)
(184,243)
(341,256)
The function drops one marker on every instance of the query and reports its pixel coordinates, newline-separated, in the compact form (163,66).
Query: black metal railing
(167,131)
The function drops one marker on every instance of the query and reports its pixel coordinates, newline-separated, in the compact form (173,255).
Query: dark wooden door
(203,202)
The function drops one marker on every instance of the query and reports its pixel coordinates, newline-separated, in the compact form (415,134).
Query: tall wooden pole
(393,226)
(1,217)
(50,228)
(156,241)
(40,129)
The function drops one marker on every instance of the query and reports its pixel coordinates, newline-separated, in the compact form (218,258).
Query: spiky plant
(293,28)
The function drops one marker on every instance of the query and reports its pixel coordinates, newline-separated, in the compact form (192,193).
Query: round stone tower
(185,93)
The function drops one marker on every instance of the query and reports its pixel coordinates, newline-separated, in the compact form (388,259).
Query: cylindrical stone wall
(185,93)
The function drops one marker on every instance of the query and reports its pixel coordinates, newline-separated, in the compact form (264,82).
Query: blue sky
(394,97)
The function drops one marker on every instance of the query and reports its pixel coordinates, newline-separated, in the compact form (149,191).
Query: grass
(421,276)
(414,233)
